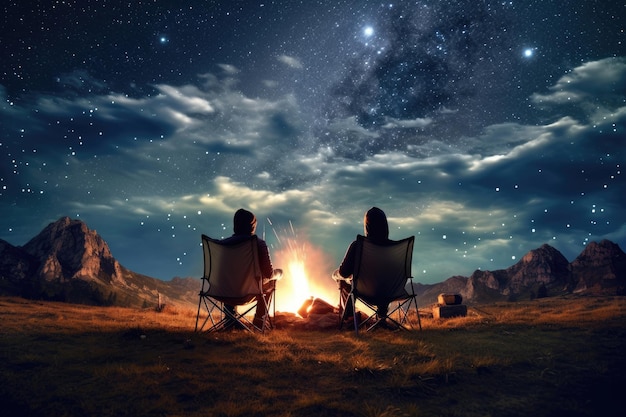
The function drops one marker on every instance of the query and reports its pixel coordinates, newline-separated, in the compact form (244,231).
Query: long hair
(375,224)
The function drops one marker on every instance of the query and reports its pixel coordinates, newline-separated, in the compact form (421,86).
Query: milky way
(483,128)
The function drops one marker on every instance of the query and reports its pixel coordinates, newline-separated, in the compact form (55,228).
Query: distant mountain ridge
(600,269)
(69,262)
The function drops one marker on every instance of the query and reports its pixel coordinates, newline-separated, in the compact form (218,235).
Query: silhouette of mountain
(69,262)
(599,270)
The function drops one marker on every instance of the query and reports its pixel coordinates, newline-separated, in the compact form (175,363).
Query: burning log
(316,306)
(303,310)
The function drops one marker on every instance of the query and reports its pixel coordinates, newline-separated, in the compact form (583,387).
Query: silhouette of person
(244,226)
(376,229)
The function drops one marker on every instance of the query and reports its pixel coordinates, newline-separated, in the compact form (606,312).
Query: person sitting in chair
(244,226)
(376,229)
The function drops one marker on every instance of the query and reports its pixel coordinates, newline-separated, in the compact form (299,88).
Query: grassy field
(548,357)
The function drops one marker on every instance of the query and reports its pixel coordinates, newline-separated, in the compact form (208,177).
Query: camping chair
(232,276)
(381,274)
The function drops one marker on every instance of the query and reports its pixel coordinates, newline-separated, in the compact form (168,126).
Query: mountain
(427,293)
(69,262)
(599,270)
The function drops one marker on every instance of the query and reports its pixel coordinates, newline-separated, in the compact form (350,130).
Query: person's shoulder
(380,242)
(353,245)
(235,238)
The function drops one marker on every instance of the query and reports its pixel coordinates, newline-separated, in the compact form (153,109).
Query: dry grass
(547,357)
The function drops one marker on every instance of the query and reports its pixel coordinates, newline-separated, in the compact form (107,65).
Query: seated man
(244,226)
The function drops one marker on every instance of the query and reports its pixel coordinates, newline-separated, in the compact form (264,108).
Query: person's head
(375,224)
(244,222)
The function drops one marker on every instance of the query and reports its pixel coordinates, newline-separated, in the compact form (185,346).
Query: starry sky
(484,128)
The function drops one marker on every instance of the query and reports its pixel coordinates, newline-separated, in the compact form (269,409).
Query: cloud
(188,99)
(81,81)
(290,61)
(581,85)
(229,69)
(391,123)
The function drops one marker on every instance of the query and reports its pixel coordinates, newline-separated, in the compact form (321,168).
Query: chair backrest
(232,269)
(381,271)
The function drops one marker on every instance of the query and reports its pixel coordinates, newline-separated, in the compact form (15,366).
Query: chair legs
(263,321)
(229,318)
(346,303)
(381,318)
(403,309)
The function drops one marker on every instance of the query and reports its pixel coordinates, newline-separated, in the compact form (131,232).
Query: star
(529,52)
(368,31)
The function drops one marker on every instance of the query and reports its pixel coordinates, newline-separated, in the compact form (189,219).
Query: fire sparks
(307,272)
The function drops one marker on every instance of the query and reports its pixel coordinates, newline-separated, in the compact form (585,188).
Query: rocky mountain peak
(69,262)
(597,253)
(539,270)
(544,267)
(542,254)
(69,249)
(600,268)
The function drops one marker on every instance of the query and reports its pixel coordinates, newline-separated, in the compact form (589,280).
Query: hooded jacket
(376,228)
(244,226)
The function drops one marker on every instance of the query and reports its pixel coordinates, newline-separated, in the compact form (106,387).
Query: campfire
(306,273)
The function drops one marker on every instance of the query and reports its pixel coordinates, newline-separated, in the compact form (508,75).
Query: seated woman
(376,229)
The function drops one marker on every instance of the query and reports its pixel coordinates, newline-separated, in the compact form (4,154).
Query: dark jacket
(245,226)
(376,228)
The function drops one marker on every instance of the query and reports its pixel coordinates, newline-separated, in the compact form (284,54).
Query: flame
(299,280)
(306,273)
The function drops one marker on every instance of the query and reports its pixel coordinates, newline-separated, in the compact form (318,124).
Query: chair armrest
(337,277)
(276,276)
(409,284)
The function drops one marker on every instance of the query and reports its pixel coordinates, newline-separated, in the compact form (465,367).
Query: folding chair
(232,276)
(381,274)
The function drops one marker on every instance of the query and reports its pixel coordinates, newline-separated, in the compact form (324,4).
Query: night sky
(484,128)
